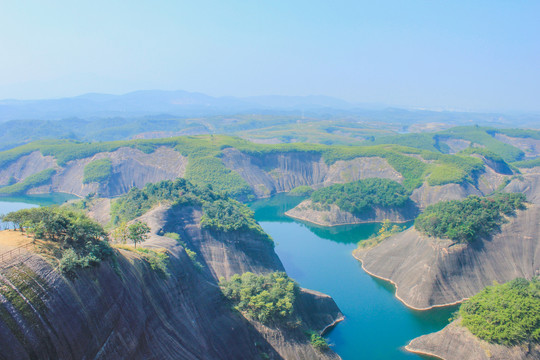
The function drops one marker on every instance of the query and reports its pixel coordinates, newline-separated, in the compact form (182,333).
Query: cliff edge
(455,342)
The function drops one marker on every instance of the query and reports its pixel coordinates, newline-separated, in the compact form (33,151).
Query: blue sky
(465,55)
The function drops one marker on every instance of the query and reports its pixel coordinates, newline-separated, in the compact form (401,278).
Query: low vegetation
(387,229)
(69,236)
(359,196)
(465,220)
(483,136)
(265,298)
(507,314)
(97,171)
(37,179)
(156,259)
(527,164)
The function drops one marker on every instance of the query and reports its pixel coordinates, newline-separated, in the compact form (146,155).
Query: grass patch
(387,229)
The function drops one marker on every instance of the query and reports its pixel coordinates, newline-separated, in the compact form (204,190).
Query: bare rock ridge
(280,172)
(126,311)
(455,342)
(333,215)
(131,167)
(432,272)
(266,174)
(134,315)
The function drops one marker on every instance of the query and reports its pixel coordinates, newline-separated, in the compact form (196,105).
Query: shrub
(318,342)
(387,229)
(193,257)
(156,259)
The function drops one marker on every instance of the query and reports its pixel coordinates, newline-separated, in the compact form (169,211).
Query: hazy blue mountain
(151,102)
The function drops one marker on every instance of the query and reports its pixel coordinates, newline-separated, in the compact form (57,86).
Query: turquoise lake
(14,203)
(377,325)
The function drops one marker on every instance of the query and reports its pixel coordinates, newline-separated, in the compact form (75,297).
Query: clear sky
(466,55)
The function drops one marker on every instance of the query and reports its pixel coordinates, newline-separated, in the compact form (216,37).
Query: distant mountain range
(152,102)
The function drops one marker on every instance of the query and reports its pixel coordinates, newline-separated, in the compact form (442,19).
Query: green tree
(138,232)
(121,233)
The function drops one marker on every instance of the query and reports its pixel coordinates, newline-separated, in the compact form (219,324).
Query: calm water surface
(9,204)
(377,325)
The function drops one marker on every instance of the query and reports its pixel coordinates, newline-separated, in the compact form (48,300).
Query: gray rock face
(281,172)
(528,185)
(131,168)
(530,146)
(129,312)
(432,272)
(426,194)
(333,215)
(25,166)
(134,315)
(222,254)
(455,342)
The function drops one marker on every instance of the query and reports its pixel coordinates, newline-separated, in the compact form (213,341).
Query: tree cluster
(507,314)
(76,240)
(359,196)
(266,298)
(467,219)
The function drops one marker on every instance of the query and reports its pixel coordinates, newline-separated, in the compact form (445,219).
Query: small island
(362,201)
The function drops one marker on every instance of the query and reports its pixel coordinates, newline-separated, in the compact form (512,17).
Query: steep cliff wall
(332,215)
(281,172)
(429,272)
(222,254)
(124,310)
(123,313)
(131,167)
(25,166)
(455,342)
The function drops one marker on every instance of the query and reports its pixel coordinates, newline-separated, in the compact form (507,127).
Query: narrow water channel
(377,325)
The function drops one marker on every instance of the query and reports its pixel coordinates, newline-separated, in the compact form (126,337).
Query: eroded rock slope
(125,310)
